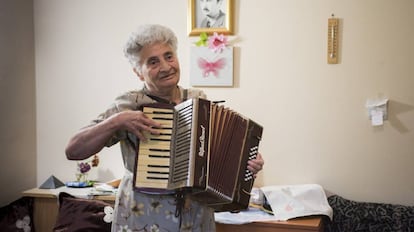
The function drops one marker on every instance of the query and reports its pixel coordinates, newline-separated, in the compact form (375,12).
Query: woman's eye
(169,56)
(152,62)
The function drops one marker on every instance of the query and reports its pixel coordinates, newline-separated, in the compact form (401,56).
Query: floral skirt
(136,211)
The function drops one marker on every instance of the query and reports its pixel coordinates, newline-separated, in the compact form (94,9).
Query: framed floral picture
(210,16)
(209,68)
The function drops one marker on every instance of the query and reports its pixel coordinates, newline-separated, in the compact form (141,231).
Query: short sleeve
(124,102)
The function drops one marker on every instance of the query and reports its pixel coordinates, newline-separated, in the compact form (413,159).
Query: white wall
(316,125)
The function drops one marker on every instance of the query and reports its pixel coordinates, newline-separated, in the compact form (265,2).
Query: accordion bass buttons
(252,155)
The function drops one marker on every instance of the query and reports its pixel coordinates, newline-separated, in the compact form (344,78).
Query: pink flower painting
(210,68)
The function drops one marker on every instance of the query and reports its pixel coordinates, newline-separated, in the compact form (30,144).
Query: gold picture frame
(195,18)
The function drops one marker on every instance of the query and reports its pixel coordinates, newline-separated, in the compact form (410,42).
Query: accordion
(203,149)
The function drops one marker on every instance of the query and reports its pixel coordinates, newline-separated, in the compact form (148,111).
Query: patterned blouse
(138,211)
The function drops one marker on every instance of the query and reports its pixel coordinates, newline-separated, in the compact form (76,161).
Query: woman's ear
(139,74)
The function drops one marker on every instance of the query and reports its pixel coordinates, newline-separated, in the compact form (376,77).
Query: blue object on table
(77,184)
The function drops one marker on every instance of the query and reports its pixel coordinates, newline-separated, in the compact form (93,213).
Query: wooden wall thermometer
(333,34)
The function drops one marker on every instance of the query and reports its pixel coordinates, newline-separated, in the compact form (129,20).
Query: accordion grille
(181,159)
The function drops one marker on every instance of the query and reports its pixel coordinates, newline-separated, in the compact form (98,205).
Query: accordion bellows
(202,148)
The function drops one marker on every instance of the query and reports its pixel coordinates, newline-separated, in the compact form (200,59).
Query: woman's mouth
(170,75)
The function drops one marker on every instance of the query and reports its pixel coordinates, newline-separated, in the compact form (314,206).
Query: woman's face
(211,8)
(159,67)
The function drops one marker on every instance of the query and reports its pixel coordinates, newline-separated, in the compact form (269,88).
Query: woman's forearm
(90,140)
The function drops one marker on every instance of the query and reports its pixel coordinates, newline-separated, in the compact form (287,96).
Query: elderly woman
(152,52)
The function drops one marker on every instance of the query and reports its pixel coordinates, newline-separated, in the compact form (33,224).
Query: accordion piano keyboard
(154,154)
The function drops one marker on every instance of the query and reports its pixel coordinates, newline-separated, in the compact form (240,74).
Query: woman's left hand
(256,165)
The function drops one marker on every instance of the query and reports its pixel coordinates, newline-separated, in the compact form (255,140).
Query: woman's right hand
(91,140)
(136,122)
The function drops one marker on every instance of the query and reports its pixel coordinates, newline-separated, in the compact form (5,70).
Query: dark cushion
(17,216)
(78,214)
(349,215)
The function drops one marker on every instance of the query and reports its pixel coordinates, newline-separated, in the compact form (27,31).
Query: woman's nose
(164,65)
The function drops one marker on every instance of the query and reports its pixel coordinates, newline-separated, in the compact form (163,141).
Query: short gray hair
(146,35)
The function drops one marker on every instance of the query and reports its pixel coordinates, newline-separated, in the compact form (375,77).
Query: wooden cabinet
(305,224)
(46,211)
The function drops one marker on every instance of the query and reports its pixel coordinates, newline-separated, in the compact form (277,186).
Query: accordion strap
(185,94)
(182,203)
(180,200)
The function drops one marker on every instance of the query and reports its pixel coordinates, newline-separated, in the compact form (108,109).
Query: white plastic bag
(291,201)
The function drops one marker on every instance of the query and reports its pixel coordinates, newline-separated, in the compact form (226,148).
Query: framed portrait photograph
(210,16)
